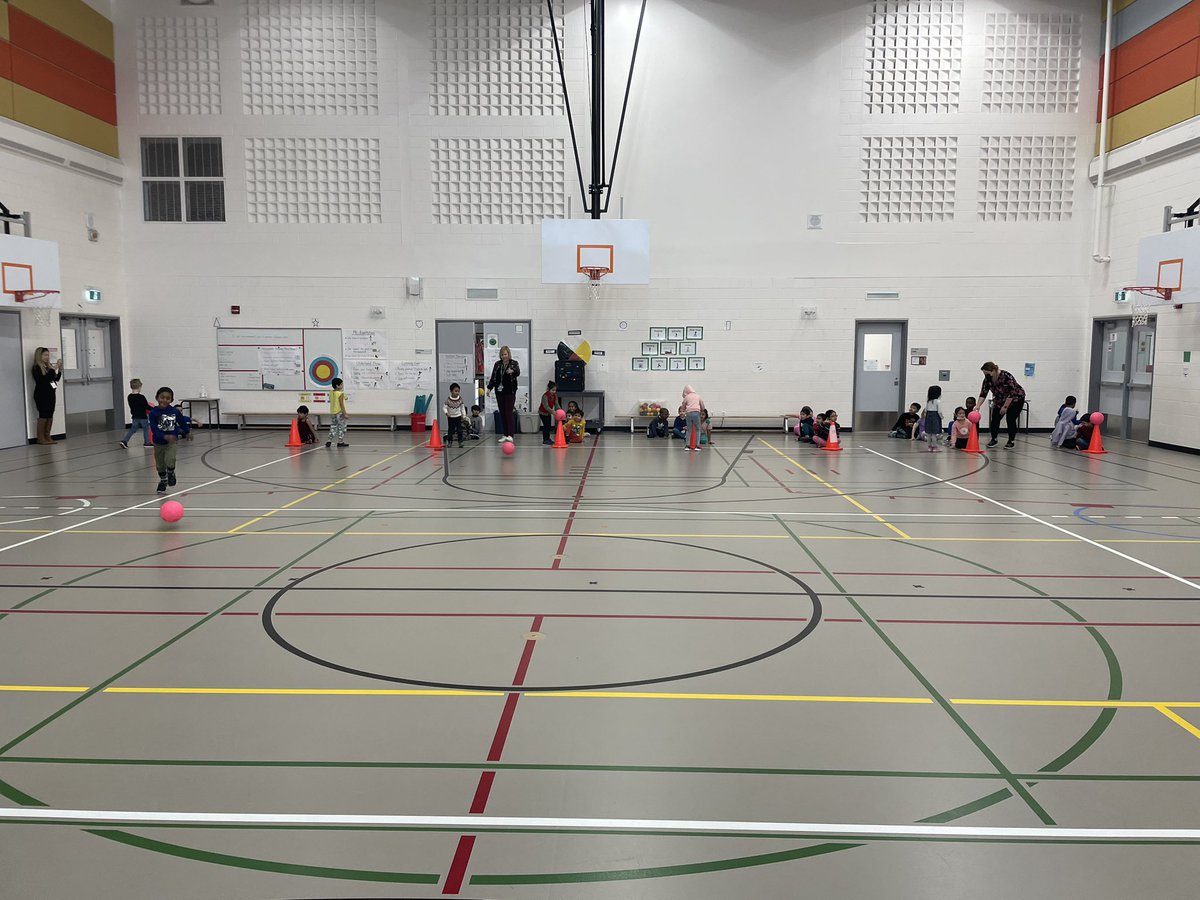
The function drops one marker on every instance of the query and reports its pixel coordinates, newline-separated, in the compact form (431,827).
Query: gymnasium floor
(758,633)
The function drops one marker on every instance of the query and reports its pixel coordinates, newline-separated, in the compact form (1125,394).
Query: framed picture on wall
(649,348)
(658,334)
(658,364)
(678,364)
(668,348)
(641,364)
(687,348)
(695,333)
(695,363)
(674,334)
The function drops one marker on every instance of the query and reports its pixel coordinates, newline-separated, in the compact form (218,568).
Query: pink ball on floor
(171,511)
(509,449)
(1096,418)
(973,416)
(560,414)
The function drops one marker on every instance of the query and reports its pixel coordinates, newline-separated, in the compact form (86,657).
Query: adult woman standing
(1008,399)
(504,381)
(45,391)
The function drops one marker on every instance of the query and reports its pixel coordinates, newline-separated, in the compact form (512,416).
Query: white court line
(1075,535)
(550,511)
(683,826)
(158,498)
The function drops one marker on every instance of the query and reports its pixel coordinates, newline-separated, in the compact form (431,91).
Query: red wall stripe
(1170,70)
(1154,60)
(53,46)
(58,84)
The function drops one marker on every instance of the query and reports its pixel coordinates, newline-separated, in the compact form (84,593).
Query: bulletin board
(278,359)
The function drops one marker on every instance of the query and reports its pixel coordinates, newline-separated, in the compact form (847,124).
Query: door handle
(895,382)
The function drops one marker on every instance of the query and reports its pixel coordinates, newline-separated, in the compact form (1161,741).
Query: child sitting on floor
(679,426)
(576,427)
(804,428)
(906,426)
(960,429)
(1066,425)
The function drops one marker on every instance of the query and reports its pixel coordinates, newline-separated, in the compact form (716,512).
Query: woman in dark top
(45,390)
(505,373)
(1008,399)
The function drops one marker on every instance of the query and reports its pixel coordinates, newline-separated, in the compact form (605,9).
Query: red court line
(755,460)
(482,791)
(458,867)
(398,474)
(562,544)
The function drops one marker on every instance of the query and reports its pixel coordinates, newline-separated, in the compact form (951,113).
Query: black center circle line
(896,489)
(268,623)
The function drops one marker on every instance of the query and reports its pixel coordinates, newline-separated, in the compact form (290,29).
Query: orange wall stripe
(58,84)
(66,53)
(1161,111)
(1170,70)
(75,19)
(48,115)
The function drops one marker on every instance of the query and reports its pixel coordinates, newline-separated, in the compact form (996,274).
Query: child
(706,430)
(307,435)
(167,425)
(572,409)
(821,430)
(906,425)
(576,427)
(546,411)
(1083,434)
(476,423)
(693,409)
(1066,425)
(960,429)
(679,426)
(139,411)
(455,409)
(337,414)
(804,428)
(933,416)
(969,404)
(660,425)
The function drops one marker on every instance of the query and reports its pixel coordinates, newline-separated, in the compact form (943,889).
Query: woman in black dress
(505,374)
(45,391)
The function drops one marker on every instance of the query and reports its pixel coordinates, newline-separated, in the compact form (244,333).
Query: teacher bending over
(1008,399)
(505,374)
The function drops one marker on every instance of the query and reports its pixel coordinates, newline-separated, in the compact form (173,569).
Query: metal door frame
(1097,371)
(117,365)
(903,368)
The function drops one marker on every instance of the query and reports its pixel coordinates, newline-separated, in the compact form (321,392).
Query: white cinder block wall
(1134,210)
(745,118)
(59,198)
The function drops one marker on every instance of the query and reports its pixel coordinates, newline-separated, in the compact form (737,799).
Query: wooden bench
(273,418)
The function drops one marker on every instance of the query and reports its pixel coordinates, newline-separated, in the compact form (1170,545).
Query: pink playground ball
(560,414)
(171,511)
(973,416)
(1096,418)
(508,449)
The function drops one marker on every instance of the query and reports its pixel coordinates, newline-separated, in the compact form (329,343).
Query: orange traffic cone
(832,445)
(294,439)
(560,439)
(695,437)
(1095,445)
(435,439)
(972,440)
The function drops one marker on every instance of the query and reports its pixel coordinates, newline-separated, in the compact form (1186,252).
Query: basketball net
(1140,313)
(594,274)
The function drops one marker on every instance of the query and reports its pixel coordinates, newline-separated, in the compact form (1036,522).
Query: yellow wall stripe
(75,19)
(1162,111)
(6,98)
(40,112)
(3,21)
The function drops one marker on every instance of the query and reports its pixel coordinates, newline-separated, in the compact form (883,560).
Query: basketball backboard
(1171,262)
(572,246)
(29,265)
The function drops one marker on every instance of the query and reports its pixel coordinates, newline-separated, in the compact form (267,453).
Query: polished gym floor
(617,670)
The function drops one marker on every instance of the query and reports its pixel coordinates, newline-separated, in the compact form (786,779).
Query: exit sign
(1121,297)
(91,295)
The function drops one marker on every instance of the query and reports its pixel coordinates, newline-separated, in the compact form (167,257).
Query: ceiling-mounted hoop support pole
(9,218)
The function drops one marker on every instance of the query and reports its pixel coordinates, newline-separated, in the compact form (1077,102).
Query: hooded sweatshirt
(691,400)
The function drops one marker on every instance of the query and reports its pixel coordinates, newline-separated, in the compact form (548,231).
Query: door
(878,374)
(1123,377)
(14,370)
(91,395)
(455,348)
(515,336)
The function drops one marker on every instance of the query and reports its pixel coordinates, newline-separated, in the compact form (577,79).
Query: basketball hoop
(42,315)
(1140,314)
(594,274)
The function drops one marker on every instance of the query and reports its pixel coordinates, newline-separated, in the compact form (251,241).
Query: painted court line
(1078,537)
(537,823)
(157,499)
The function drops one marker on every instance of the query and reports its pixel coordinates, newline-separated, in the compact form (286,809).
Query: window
(183,180)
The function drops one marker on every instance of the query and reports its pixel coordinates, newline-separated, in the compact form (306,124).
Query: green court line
(16,795)
(584,767)
(97,688)
(1013,782)
(967,808)
(263,865)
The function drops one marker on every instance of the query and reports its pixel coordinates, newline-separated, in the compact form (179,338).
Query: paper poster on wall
(367,374)
(362,344)
(70,356)
(250,359)
(455,366)
(412,375)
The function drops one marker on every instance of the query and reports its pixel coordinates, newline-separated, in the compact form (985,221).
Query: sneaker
(460,445)
(502,440)
(548,443)
(341,444)
(992,443)
(508,439)
(124,446)
(328,444)
(171,479)
(162,485)
(1009,445)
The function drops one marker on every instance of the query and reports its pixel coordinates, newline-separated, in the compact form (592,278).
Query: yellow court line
(777,698)
(327,487)
(878,518)
(1179,720)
